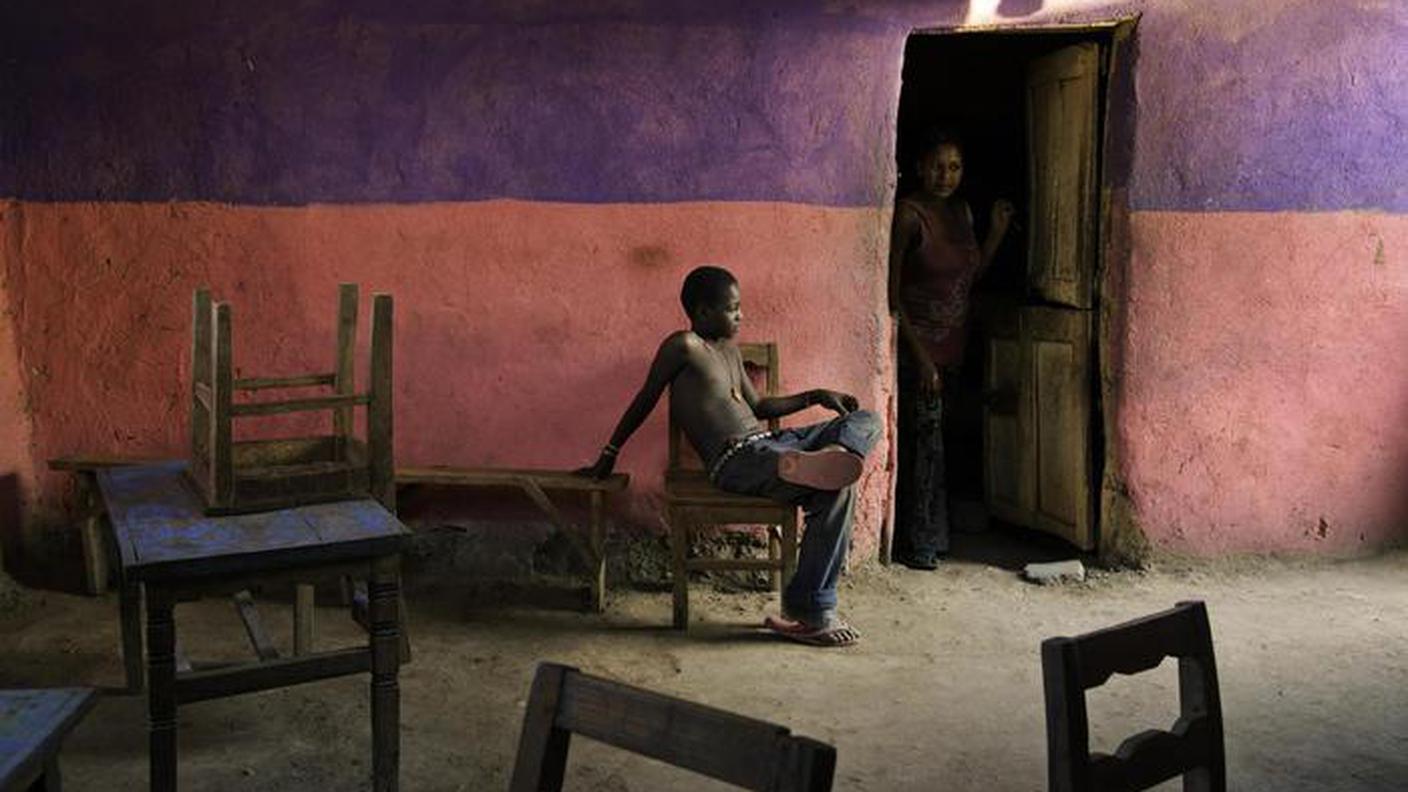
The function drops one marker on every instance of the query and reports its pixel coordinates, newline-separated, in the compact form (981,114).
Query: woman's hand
(1002,212)
(931,383)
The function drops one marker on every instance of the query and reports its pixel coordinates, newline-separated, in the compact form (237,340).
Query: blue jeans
(752,470)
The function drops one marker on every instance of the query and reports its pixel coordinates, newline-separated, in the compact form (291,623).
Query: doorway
(1023,448)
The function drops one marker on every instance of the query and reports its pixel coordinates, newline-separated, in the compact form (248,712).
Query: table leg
(384,595)
(95,560)
(303,618)
(49,780)
(598,540)
(130,610)
(161,687)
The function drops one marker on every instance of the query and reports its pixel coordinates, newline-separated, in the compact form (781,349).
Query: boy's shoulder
(681,339)
(686,343)
(680,343)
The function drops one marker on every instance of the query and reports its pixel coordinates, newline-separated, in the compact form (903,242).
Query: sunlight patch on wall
(992,12)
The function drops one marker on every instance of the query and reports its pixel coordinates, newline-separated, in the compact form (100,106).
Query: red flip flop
(838,634)
(830,468)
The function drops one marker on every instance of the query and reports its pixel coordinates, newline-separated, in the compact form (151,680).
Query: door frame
(1118,538)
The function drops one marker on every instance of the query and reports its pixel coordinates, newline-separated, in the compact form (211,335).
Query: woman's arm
(904,234)
(1001,218)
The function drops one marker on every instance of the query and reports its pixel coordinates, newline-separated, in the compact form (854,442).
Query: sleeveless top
(936,276)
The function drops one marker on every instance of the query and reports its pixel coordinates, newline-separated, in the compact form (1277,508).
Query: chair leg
(679,548)
(775,556)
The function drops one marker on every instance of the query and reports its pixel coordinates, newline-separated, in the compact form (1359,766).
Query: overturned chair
(744,752)
(1193,748)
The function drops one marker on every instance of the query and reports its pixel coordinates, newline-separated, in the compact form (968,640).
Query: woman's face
(941,170)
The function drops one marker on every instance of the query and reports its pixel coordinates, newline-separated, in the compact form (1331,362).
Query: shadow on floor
(1011,547)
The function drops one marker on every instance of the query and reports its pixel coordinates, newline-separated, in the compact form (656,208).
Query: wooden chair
(692,502)
(744,752)
(258,475)
(1193,748)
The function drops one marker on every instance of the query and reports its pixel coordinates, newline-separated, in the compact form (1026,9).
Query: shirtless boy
(812,466)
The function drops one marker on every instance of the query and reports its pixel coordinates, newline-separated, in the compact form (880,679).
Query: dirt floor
(944,693)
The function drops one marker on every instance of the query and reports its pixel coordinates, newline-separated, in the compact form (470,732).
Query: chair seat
(692,488)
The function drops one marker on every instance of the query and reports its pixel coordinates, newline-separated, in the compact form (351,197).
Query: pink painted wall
(16,455)
(1265,383)
(523,329)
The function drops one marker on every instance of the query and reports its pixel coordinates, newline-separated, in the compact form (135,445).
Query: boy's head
(710,297)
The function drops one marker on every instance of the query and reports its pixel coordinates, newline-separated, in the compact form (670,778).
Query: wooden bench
(536,484)
(33,724)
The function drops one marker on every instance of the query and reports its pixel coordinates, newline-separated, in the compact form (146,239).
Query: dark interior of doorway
(976,82)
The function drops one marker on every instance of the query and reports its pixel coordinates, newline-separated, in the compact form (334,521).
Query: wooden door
(1036,420)
(1062,94)
(1056,348)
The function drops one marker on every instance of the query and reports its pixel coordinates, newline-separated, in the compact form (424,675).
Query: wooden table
(33,724)
(537,484)
(167,546)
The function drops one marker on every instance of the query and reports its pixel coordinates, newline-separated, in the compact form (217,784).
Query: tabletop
(161,531)
(33,722)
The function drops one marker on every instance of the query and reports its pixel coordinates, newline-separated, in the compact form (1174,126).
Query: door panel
(1036,419)
(1062,91)
(1057,343)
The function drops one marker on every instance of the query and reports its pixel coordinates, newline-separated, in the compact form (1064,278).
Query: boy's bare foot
(831,468)
(836,633)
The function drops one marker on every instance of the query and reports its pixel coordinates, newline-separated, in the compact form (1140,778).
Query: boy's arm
(668,361)
(779,406)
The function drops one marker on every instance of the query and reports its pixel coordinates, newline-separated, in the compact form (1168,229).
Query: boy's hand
(841,403)
(603,467)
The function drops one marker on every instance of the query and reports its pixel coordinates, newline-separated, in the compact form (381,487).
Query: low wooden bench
(33,724)
(535,483)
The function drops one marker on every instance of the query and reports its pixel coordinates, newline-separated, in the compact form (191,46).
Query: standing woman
(934,259)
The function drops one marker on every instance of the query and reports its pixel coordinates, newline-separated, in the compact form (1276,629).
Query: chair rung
(726,564)
(299,405)
(304,380)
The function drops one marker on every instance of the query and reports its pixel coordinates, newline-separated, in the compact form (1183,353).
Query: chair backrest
(761,364)
(1193,748)
(744,752)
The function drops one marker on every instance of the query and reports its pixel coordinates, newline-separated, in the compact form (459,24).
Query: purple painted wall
(1246,105)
